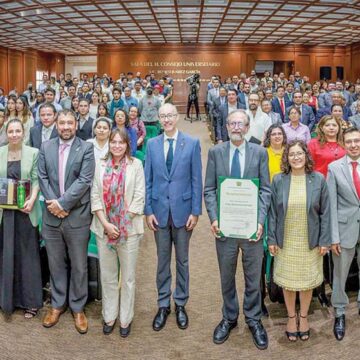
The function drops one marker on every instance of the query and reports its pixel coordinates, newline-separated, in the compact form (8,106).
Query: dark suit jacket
(275,103)
(221,131)
(36,136)
(307,116)
(87,130)
(80,168)
(87,96)
(317,204)
(241,98)
(256,166)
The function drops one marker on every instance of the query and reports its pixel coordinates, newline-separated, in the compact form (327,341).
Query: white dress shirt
(241,156)
(349,161)
(46,132)
(167,144)
(258,125)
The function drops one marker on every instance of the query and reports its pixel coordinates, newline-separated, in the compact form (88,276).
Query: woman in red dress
(328,146)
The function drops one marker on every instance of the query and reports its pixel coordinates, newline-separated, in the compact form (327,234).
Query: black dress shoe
(160,318)
(125,332)
(259,335)
(108,329)
(182,319)
(222,331)
(339,327)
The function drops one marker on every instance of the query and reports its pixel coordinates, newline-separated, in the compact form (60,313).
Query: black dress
(20,272)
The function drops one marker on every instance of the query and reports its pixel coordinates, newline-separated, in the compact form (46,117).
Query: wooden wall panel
(17,68)
(30,68)
(4,69)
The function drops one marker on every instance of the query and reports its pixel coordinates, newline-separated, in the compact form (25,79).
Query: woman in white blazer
(117,201)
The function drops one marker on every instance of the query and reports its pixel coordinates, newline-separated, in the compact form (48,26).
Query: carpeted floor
(27,339)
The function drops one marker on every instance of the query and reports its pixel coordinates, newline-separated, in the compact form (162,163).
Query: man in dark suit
(85,128)
(307,115)
(280,103)
(243,96)
(240,159)
(230,105)
(172,207)
(221,100)
(85,93)
(66,168)
(47,129)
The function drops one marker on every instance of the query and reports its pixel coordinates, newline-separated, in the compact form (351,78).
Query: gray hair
(240,112)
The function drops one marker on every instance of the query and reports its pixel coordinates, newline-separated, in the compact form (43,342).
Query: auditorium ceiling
(77,27)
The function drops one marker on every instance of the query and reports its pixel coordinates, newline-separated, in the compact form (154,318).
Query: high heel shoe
(292,336)
(304,335)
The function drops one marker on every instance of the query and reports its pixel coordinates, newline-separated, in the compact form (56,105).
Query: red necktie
(356,177)
(282,106)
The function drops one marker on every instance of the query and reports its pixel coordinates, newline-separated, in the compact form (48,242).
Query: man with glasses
(240,159)
(172,207)
(344,190)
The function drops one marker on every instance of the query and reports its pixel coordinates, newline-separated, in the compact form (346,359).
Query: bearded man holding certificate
(238,159)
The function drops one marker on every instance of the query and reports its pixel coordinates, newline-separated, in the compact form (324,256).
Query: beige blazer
(134,195)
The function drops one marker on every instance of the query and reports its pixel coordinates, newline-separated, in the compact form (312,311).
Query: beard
(253,107)
(236,136)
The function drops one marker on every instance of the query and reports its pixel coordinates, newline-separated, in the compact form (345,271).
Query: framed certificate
(238,203)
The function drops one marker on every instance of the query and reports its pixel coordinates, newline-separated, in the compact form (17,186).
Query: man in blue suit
(172,207)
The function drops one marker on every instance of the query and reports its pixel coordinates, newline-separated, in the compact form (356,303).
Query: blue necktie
(235,165)
(170,155)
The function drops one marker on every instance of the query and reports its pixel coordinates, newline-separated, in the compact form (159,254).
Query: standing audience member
(47,129)
(299,233)
(121,120)
(275,141)
(229,106)
(20,272)
(294,129)
(138,125)
(117,103)
(241,159)
(173,205)
(117,201)
(94,105)
(328,145)
(102,129)
(149,108)
(344,188)
(25,116)
(66,169)
(85,127)
(266,107)
(259,121)
(103,111)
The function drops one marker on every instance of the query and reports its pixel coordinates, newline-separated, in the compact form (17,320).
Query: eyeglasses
(235,124)
(296,155)
(167,116)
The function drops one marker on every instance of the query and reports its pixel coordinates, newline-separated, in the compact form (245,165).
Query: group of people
(295,103)
(309,193)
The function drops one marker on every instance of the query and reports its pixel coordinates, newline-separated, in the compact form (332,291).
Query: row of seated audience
(116,133)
